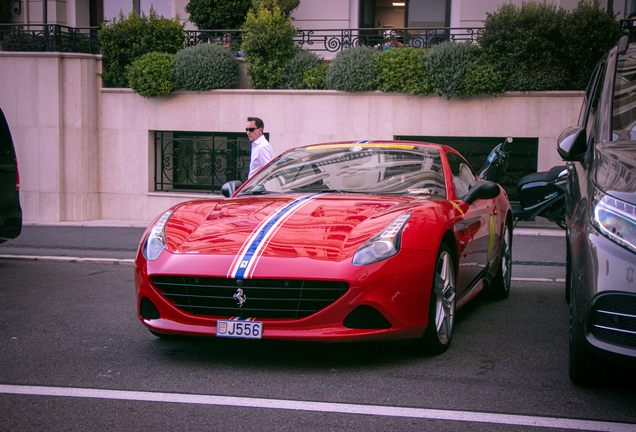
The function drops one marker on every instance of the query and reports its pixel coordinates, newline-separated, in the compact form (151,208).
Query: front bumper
(604,284)
(389,300)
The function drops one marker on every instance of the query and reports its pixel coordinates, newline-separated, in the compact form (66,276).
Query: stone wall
(87,153)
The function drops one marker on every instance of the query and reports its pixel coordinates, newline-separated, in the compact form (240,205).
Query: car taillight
(17,176)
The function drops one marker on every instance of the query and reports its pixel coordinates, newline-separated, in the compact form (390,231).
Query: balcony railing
(50,37)
(334,40)
(53,37)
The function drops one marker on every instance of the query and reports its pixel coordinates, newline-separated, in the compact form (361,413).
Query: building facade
(311,14)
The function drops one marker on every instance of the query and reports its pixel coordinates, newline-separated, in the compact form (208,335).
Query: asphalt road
(74,357)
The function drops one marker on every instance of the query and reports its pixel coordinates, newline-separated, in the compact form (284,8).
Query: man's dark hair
(258,122)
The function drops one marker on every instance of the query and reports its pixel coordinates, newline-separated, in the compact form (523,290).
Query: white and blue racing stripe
(245,262)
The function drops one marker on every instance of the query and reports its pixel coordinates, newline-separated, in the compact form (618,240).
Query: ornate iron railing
(50,37)
(422,37)
(200,160)
(334,40)
(53,37)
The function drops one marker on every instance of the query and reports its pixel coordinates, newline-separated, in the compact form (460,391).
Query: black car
(10,211)
(601,220)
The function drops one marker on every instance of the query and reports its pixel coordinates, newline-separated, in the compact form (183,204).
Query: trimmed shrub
(527,44)
(588,33)
(22,41)
(285,6)
(218,14)
(314,78)
(352,70)
(151,74)
(447,64)
(206,67)
(539,78)
(298,66)
(64,42)
(267,46)
(482,78)
(402,70)
(128,38)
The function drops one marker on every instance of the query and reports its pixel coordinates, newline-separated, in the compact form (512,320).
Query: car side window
(463,175)
(623,110)
(590,104)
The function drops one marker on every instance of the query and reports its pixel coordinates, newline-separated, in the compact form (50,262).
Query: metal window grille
(200,161)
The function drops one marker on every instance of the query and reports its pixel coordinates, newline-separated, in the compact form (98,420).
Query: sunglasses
(250,129)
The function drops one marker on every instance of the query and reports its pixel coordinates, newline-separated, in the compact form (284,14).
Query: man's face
(253,133)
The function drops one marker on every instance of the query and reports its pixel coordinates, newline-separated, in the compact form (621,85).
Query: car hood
(326,226)
(615,169)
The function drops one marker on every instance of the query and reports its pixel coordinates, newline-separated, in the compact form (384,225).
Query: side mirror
(482,189)
(572,144)
(230,187)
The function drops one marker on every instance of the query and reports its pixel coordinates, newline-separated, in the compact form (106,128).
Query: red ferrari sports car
(352,241)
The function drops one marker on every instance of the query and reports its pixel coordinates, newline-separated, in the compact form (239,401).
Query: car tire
(441,310)
(585,367)
(500,287)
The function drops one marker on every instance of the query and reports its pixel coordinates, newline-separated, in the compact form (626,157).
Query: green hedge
(127,38)
(542,47)
(352,70)
(304,71)
(447,63)
(206,67)
(403,70)
(588,33)
(218,14)
(151,75)
(267,46)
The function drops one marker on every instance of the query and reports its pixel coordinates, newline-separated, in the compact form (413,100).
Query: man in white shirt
(261,149)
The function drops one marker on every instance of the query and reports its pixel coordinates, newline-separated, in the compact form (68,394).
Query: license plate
(239,329)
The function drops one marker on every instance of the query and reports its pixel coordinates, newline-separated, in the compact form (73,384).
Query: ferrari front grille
(614,319)
(248,298)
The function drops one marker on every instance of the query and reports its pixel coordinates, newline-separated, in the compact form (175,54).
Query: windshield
(353,168)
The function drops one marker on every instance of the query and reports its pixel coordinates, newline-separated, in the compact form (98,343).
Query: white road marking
(326,407)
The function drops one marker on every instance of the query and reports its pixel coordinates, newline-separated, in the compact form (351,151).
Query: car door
(474,228)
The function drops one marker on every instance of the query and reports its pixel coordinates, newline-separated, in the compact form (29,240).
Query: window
(463,175)
(112,7)
(201,161)
(591,100)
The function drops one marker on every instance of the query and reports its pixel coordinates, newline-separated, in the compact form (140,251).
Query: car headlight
(615,219)
(383,245)
(156,240)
